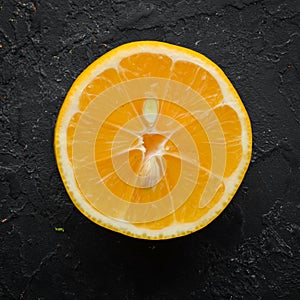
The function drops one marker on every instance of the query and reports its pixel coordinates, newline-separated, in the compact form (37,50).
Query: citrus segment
(190,212)
(232,130)
(145,65)
(105,80)
(152,141)
(198,79)
(70,133)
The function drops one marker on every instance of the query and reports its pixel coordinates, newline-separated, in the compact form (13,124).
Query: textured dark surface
(252,251)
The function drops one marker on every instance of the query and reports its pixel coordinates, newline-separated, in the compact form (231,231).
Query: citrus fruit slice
(152,140)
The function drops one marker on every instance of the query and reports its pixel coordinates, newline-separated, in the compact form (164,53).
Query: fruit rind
(69,109)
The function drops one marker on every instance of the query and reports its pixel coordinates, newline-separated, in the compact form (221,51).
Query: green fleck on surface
(59,229)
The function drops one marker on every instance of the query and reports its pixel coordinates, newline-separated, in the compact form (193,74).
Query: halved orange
(152,140)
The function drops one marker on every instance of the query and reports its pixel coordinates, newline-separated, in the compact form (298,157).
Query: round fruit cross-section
(152,140)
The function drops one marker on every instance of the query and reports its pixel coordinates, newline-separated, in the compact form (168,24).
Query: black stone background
(250,252)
